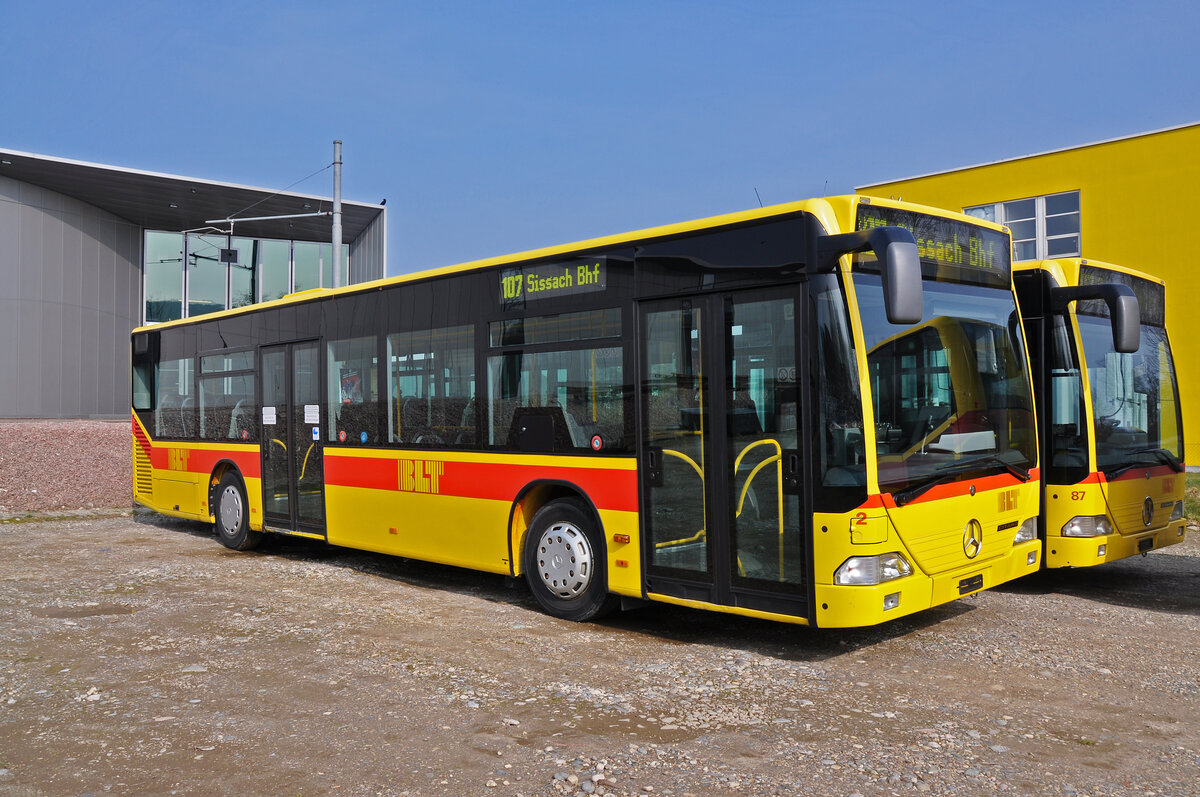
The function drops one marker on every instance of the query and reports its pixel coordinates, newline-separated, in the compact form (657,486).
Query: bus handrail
(307,454)
(778,459)
(686,459)
(699,472)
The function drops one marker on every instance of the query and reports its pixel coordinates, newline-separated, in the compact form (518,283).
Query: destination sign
(958,249)
(551,280)
(1151,296)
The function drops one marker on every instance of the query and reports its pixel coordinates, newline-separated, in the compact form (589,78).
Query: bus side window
(353,391)
(175,416)
(431,387)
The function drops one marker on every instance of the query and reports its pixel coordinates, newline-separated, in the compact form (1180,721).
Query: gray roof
(170,202)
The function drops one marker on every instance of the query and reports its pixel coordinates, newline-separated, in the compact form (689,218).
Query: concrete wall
(1133,211)
(70,292)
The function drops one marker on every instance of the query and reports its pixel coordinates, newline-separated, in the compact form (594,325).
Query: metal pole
(337,214)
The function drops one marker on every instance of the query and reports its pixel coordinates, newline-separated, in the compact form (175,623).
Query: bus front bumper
(1088,551)
(848,606)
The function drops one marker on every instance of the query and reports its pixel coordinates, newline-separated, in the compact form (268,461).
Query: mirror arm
(1124,313)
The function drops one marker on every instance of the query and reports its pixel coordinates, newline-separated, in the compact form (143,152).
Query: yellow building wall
(1134,211)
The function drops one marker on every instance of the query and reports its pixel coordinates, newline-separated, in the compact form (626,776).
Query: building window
(193,274)
(1042,226)
(275,265)
(164,276)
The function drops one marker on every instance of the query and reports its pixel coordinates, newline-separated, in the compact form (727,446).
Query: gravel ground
(141,657)
(71,465)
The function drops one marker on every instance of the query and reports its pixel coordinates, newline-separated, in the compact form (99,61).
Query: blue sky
(500,127)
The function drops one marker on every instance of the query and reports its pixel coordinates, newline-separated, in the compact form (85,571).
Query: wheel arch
(532,497)
(219,470)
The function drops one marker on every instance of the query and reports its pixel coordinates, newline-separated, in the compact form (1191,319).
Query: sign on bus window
(550,280)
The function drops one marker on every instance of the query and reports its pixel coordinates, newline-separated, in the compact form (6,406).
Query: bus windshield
(1134,396)
(951,394)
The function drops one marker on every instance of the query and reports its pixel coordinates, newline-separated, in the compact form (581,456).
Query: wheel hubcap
(231,510)
(565,560)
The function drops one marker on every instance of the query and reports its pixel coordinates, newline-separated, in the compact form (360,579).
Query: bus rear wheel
(232,512)
(565,563)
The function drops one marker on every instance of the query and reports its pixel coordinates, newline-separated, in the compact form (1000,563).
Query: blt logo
(177,459)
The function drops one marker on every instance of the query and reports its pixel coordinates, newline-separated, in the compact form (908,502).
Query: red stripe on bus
(139,435)
(1138,473)
(873,502)
(203,460)
(607,488)
(374,474)
(955,489)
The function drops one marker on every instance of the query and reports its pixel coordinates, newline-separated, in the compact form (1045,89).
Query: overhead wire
(231,216)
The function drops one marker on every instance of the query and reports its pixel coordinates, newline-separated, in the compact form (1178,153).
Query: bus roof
(830,210)
(1067,268)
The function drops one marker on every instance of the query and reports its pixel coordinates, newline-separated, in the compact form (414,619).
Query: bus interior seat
(168,421)
(539,429)
(354,419)
(743,416)
(187,415)
(579,438)
(466,424)
(414,419)
(242,419)
(928,419)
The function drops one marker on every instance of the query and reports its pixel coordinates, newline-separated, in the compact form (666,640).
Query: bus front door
(293,478)
(722,477)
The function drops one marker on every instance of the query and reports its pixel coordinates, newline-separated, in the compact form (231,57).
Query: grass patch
(52,517)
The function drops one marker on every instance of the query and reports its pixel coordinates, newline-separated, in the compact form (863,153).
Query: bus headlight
(1177,512)
(1027,532)
(867,570)
(1087,526)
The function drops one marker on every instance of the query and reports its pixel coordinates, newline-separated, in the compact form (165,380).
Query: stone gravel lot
(141,657)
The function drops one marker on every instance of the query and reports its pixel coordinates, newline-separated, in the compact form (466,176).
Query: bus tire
(566,563)
(232,513)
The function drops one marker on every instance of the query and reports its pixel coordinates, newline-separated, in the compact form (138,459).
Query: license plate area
(970,584)
(1145,544)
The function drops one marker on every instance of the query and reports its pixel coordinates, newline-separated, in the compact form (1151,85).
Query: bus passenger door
(293,477)
(722,470)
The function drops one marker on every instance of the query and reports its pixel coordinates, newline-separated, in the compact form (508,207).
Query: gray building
(88,252)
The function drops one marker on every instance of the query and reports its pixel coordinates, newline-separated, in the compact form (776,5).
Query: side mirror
(899,260)
(900,267)
(1123,310)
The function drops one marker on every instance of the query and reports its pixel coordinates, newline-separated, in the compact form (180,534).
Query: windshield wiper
(917,490)
(959,468)
(1015,470)
(1161,453)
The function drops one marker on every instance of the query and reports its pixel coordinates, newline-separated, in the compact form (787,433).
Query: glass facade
(164,276)
(191,274)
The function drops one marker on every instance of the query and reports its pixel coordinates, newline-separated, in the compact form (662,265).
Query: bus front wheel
(233,514)
(565,563)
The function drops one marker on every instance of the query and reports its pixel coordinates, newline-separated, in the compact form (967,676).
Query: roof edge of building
(173,177)
(1031,155)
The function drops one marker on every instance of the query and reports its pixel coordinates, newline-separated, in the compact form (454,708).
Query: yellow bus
(674,414)
(1111,430)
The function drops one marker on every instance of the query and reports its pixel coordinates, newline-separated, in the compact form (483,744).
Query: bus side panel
(173,477)
(455,508)
(624,558)
(452,530)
